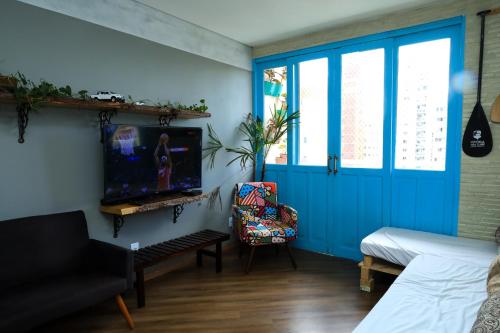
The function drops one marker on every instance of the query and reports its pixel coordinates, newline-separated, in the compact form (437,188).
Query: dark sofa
(49,268)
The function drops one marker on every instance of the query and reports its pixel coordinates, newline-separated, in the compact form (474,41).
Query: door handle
(329,169)
(335,159)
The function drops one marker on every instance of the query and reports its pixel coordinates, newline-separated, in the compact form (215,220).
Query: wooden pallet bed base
(370,265)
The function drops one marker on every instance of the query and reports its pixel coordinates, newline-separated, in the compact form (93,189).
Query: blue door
(378,141)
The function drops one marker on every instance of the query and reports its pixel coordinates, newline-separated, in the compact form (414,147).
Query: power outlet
(230,222)
(134,246)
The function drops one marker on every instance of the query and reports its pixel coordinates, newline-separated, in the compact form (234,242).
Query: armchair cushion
(263,232)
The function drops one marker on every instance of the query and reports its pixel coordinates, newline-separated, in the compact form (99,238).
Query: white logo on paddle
(476,143)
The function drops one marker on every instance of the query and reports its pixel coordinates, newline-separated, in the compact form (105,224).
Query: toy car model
(108,96)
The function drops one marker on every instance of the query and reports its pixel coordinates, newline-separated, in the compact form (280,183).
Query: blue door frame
(318,197)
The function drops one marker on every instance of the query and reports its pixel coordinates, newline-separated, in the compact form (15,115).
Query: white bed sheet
(433,294)
(400,246)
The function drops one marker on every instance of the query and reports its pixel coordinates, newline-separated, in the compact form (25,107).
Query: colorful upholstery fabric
(259,219)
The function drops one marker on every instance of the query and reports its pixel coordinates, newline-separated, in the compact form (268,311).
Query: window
(275,86)
(422,105)
(362,109)
(313,97)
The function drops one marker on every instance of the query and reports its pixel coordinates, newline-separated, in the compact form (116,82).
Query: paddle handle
(481,51)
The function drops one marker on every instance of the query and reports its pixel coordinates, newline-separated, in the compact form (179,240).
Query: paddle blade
(495,110)
(477,140)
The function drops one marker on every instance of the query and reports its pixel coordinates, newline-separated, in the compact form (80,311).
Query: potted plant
(259,138)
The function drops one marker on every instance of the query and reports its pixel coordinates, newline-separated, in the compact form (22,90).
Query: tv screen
(141,161)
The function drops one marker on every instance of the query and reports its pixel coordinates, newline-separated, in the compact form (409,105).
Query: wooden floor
(321,296)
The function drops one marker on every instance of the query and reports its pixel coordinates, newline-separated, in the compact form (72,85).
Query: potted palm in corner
(259,138)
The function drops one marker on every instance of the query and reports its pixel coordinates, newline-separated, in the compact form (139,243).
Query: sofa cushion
(41,246)
(30,305)
(488,317)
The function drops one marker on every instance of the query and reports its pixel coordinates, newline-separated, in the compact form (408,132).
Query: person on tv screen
(163,163)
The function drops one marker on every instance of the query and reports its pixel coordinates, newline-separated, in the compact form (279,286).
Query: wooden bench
(154,254)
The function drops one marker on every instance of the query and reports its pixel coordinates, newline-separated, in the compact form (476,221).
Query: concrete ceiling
(258,22)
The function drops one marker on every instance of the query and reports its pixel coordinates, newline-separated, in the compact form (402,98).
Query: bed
(389,250)
(433,294)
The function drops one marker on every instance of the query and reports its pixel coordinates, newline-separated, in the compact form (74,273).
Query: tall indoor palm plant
(259,138)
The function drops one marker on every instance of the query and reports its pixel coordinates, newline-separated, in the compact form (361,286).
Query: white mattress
(433,294)
(400,246)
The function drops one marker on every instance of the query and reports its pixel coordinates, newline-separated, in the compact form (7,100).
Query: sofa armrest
(288,215)
(111,258)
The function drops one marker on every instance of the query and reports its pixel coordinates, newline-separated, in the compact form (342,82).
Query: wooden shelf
(75,103)
(175,201)
(162,202)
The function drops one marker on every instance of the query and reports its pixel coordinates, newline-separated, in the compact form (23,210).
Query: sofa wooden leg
(139,287)
(294,264)
(250,259)
(123,309)
(366,282)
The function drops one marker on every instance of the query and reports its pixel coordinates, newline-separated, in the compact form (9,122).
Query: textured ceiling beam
(145,22)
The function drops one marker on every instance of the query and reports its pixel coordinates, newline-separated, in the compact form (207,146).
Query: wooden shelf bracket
(165,120)
(118,222)
(22,120)
(104,119)
(178,209)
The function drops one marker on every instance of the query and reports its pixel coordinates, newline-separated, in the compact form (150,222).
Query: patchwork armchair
(259,219)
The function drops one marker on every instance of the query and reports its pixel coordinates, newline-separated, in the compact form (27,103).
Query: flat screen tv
(144,161)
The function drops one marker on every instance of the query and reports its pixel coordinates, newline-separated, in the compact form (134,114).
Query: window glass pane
(422,105)
(313,96)
(275,101)
(362,109)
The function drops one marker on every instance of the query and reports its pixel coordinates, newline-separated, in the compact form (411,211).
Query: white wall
(59,168)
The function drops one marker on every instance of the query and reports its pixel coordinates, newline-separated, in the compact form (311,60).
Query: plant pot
(272,88)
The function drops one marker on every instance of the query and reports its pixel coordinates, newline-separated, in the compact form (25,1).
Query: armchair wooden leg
(241,250)
(250,259)
(123,309)
(294,264)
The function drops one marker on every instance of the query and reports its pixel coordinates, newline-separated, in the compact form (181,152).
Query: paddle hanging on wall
(477,140)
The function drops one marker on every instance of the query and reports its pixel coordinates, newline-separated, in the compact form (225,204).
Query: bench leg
(199,258)
(218,257)
(366,282)
(123,309)
(139,286)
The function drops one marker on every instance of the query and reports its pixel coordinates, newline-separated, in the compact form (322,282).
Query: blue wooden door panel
(404,193)
(337,211)
(372,209)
